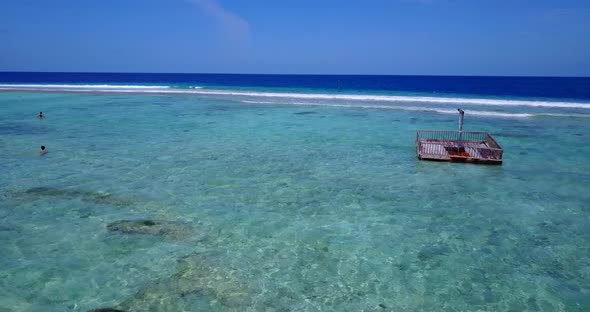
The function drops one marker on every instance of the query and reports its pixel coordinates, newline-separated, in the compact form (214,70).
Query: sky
(391,37)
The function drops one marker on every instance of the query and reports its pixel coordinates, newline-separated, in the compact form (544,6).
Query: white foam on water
(408,108)
(564,115)
(305,96)
(71,86)
(400,98)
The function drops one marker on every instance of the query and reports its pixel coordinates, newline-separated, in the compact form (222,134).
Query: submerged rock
(4,228)
(106,310)
(152,227)
(431,251)
(89,196)
(22,129)
(196,277)
(223,283)
(46,191)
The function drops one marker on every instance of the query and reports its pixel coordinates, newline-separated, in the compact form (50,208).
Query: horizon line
(287,74)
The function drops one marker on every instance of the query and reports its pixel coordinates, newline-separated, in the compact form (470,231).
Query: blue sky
(421,37)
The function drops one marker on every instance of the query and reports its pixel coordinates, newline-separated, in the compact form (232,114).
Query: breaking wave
(422,109)
(360,98)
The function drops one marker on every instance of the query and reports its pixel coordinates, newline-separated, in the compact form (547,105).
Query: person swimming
(43,150)
(40,116)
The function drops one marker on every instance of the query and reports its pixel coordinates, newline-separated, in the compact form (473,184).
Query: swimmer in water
(42,151)
(40,116)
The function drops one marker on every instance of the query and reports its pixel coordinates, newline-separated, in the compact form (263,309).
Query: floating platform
(458,146)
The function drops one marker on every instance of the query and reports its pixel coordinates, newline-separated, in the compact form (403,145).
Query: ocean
(218,192)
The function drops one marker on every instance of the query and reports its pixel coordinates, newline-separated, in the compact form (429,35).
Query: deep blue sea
(548,87)
(216,192)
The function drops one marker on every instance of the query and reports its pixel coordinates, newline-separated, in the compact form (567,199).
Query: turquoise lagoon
(289,207)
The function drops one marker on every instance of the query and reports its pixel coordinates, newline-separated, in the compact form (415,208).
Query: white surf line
(87,86)
(408,108)
(394,98)
(314,96)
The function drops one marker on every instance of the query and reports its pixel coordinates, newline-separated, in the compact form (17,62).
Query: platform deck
(465,146)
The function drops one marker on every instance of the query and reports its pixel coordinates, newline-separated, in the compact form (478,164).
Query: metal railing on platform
(453,135)
(437,144)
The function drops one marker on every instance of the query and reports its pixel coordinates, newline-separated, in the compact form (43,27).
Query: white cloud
(236,27)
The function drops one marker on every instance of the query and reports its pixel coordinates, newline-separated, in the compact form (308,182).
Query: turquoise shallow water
(284,207)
